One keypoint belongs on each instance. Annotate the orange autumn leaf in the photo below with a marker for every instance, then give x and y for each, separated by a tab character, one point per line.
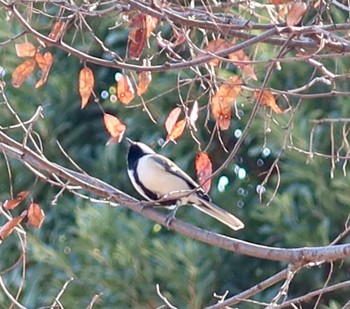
140	28
35	215
296	13
246	68
125	90
9	226
25	49
268	99
137	43
11	204
57	30
223	99
145	78
204	170
282	13
86	85
22	72
172	119
278	2
144	22
214	47
114	127
176	132
150	24
317	4
44	62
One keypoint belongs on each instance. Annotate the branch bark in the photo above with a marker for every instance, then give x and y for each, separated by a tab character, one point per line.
301	256
336	44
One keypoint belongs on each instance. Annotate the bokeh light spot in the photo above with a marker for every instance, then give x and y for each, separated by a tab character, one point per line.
223	182
238	133
260	189
242	173
266	152
113	98
118	76
104	94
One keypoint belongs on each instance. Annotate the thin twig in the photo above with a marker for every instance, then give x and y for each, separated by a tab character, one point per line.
57	298
9	295
94	300
308	296
100	188
163	298
261	286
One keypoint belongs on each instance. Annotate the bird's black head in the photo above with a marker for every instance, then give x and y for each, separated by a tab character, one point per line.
136	151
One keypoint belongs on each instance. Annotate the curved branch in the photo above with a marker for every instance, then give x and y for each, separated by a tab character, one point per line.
263	285
122	65
229	29
295	255
309	296
250	40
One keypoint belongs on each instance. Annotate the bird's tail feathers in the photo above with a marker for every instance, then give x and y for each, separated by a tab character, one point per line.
219	214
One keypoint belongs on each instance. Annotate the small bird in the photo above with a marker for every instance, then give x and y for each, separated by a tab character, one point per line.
159	179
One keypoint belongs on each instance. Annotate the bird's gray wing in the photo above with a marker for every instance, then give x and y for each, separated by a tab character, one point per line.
172	168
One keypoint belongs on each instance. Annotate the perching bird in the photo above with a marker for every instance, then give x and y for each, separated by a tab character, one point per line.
156	177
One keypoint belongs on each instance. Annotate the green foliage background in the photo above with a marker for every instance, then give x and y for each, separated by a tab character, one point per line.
121	254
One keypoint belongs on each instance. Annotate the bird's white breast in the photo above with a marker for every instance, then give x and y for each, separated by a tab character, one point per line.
157	179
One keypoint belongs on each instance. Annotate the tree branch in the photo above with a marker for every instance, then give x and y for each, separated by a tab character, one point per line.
95	186
250	40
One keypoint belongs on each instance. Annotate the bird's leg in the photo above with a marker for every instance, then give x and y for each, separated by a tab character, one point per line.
172	214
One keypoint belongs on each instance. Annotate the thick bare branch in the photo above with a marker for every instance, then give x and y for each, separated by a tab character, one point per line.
95	186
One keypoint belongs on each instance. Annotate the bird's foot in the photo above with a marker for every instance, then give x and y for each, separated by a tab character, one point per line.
169	219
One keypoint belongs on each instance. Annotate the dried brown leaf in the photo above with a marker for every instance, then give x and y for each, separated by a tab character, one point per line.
44	62
246	68
278	2
25	49
172	119
268	99
177	131
114	127
36	216
296	13
57	30
151	24
214	47
140	29
137	43
145	78
204	170
11	204
9	226
86	85
22	72
223	99
125	90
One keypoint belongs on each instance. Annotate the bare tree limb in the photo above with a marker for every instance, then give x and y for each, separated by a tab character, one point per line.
95	186
261	286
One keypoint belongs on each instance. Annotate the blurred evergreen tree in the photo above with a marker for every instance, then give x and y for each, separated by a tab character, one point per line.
121	254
